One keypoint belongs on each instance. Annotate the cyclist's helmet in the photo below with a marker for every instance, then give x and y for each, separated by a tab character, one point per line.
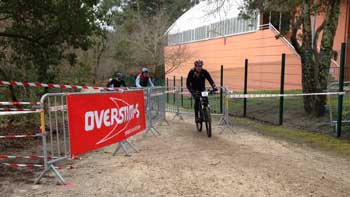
198	63
145	70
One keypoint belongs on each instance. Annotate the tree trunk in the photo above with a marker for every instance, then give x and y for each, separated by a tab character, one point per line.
307	60
325	55
308	81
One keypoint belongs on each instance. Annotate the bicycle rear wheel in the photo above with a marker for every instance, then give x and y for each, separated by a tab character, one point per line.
207	118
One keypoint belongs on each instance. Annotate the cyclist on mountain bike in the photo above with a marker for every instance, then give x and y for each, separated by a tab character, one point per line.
195	83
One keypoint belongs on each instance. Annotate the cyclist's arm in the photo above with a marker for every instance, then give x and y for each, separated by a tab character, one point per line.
138	85
188	82
208	77
150	82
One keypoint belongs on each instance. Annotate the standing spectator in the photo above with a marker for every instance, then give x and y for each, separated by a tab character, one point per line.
144	79
116	82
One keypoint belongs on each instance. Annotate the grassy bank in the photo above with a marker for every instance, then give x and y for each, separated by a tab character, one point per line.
313	139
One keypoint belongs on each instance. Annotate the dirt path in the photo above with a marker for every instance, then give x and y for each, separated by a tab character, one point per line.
183	162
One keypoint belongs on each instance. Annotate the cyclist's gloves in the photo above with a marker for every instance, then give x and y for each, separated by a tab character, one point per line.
215	88
192	92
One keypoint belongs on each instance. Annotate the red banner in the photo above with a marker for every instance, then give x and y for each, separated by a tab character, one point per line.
98	120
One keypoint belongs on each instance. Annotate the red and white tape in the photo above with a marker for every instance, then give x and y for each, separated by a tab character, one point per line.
283	95
60	86
19	103
21	165
18	109
29	165
7	113
19	136
22	157
58	108
31	157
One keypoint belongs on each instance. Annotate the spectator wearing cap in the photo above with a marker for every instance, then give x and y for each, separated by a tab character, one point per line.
144	79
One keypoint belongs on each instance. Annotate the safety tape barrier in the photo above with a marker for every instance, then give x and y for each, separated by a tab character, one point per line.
29	165
59	86
20	136
6	113
19	103
58	108
282	95
24	157
19	109
53	108
31	157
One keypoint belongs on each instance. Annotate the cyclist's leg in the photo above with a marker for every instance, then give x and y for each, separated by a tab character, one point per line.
196	108
205	100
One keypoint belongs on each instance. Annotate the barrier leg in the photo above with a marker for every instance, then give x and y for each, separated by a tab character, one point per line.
56	173
153	130
123	145
37	181
224	121
164	120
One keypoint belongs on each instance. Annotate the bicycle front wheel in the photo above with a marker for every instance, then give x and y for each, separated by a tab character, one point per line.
207	118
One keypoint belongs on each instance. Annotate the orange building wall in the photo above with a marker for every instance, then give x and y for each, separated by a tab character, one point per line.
263	52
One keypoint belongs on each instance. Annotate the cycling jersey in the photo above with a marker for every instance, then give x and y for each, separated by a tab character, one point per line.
196	81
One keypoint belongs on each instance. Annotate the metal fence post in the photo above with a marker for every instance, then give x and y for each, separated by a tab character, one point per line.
341	89
283	65
245	87
167	89
182	96
221	87
174	87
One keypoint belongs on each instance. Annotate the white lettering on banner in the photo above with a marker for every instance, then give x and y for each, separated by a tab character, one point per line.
98	119
89	121
132	130
106	118
110	117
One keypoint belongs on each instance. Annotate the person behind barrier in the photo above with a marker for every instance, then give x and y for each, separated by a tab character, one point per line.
117	81
144	79
195	83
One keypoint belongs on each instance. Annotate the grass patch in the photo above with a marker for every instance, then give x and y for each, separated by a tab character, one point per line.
317	140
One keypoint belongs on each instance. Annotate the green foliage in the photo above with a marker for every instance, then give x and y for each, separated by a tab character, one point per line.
140	32
36	34
311	139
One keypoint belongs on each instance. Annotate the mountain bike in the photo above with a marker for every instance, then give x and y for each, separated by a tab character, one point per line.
204	112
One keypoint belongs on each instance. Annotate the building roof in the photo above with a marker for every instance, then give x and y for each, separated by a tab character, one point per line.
205	13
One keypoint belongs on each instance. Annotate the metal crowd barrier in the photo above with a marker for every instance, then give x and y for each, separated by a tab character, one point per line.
54	131
54	127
